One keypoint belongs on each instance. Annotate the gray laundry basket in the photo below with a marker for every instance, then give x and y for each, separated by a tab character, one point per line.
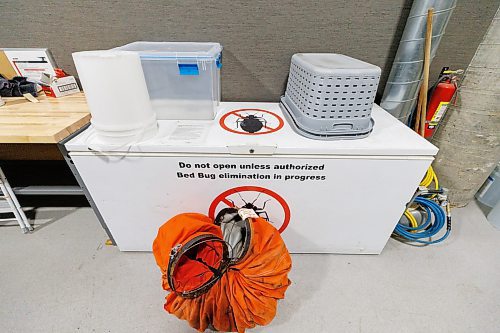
330	96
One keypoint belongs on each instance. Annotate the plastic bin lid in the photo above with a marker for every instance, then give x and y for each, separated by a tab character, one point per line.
332	63
174	49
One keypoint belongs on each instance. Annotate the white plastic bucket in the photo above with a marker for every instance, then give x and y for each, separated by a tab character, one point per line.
117	96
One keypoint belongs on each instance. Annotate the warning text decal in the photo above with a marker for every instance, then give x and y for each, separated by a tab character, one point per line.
280	172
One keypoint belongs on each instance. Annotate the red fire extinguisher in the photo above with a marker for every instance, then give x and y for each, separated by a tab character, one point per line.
440	96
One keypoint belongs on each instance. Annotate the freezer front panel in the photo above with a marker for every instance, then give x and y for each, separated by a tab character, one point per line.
321	204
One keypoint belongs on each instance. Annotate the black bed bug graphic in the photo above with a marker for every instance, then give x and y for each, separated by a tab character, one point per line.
266	203
251	205
251	123
222	214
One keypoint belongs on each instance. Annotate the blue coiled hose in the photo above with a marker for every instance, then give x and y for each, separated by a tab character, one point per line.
430	227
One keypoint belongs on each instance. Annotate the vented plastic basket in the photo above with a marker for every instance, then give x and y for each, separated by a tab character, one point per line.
330	96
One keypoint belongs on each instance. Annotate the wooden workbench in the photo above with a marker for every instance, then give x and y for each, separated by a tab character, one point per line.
49	121
30	132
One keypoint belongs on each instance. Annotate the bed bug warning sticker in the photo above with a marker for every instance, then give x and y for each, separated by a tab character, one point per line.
265	203
251	122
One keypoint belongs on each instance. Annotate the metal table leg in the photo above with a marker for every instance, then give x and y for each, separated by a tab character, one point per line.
80	181
8	194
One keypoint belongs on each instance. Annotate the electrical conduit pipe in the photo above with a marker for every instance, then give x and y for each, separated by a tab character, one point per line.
401	90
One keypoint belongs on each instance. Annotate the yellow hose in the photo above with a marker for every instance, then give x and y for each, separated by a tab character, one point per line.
411	219
430	176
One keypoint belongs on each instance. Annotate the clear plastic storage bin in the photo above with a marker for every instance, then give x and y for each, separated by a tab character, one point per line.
183	78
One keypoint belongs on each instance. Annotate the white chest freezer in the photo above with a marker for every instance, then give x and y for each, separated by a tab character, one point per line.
324	196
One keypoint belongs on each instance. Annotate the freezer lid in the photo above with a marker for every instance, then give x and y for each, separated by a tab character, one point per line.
261	129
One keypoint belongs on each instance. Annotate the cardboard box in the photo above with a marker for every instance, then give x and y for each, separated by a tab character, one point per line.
6	68
30	62
60	87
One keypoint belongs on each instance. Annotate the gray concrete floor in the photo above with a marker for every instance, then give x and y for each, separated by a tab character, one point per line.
62	278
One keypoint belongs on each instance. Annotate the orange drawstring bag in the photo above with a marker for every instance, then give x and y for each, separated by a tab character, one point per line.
225	275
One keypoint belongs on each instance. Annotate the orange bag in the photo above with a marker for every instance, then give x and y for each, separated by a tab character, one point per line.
227	275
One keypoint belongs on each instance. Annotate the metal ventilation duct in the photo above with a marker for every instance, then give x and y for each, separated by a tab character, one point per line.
401	89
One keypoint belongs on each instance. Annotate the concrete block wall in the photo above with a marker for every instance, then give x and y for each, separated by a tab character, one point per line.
469	137
259	36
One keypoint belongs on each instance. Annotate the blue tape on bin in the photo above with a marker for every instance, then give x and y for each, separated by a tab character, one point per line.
218	62
188	69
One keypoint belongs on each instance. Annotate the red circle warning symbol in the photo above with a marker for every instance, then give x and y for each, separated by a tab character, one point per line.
251	122
266	203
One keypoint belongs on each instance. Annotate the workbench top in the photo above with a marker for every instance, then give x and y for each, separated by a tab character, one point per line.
49	121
